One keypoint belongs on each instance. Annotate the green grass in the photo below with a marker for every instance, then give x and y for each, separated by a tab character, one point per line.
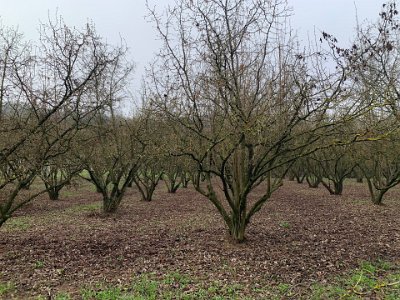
39	264
171	286
86	207
62	296
6	288
284	224
379	280
18	224
371	280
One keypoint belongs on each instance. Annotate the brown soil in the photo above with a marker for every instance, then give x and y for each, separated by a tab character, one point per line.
301	236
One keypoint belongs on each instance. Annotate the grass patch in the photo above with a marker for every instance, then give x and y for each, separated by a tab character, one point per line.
380	280
284	224
6	288
170	286
62	296
92	207
108	293
17	224
39	264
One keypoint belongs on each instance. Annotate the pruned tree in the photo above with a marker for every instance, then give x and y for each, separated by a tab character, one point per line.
111	148
154	134
336	165
58	173
242	100
44	101
314	174
172	174
147	178
111	156
380	165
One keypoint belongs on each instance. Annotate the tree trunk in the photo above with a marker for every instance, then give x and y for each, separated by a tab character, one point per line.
147	193
377	199
184	180
338	187
376	195
300	178
237	227
54	193
3	220
313	181
172	183
110	204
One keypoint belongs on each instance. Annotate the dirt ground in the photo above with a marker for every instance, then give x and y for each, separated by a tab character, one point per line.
301	236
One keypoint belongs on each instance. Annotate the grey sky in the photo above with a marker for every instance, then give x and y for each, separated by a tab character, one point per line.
126	19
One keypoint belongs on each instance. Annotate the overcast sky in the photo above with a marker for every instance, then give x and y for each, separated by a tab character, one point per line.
126	18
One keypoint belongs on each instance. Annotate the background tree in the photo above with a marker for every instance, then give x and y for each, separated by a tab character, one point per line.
298	171
313	171
110	152
59	172
151	165
379	161
173	173
44	101
336	165
147	178
372	64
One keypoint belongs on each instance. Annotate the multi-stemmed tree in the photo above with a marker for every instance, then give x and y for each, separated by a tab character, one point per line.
57	173
110	148
44	101
380	164
241	98
336	164
110	152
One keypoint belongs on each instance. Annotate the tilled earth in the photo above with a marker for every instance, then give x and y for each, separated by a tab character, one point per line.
301	236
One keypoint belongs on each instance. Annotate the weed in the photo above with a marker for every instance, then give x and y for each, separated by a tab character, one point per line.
284	224
284	288
109	293
39	264
176	278
6	288
62	296
370	280
145	287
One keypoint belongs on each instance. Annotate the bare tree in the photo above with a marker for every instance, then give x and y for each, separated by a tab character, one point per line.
241	98
336	164
110	152
150	170
372	64
380	164
44	101
147	178
58	173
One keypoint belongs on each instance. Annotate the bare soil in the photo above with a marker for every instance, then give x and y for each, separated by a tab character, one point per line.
300	237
